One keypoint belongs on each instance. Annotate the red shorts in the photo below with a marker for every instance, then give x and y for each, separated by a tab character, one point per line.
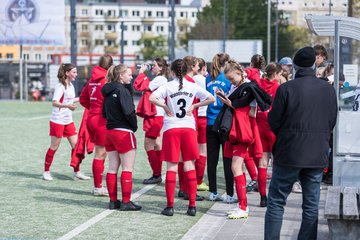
120	141
153	126
178	141
239	149
268	138
60	130
201	130
96	125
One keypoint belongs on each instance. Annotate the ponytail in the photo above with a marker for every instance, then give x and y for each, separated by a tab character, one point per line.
63	69
177	67
219	61
113	73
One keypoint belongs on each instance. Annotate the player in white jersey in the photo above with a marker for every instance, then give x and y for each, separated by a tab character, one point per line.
61	122
179	136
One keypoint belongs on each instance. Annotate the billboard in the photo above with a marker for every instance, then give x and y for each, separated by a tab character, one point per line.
32	22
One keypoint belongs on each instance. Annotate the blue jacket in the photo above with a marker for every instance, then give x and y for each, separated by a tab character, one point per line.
221	82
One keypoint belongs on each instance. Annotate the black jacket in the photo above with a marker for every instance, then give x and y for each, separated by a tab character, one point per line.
118	107
302	117
241	97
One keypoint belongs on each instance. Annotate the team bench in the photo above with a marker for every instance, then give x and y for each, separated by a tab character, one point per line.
342	213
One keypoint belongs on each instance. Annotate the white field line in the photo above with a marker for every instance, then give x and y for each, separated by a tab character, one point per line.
48	116
101	215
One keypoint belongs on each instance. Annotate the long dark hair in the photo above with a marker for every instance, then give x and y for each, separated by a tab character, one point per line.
271	69
64	67
106	61
177	67
161	62
258	61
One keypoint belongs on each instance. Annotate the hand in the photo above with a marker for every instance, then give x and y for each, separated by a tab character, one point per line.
189	112
72	107
168	111
143	68
223	100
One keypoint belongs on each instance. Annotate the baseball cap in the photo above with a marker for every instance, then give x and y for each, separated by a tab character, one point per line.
285	61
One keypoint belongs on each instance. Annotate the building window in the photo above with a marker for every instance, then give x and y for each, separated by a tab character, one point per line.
193	14
84	27
160	14
183	14
148	28
148	14
111	28
84	12
124	13
0	55
110	43
9	56
125	42
98	27
84	42
181	29
136	28
160	29
37	57
98	12
26	56
135	43
136	13
99	42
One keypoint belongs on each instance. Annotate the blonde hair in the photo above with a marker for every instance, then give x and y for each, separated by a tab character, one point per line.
219	61
113	74
63	69
232	66
320	72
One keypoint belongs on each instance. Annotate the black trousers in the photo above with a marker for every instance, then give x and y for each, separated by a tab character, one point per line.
213	144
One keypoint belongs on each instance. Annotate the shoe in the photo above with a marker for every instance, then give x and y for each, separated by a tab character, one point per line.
198	198
114	204
130	206
251	186
168	211
297	187
263	201
230	199
191	211
80	176
215	197
202	187
153	180
239	213
181	194
100	191
47	176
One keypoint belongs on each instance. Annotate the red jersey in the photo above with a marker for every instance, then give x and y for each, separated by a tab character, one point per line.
270	87
91	97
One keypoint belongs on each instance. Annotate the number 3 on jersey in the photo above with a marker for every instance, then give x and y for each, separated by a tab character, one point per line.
182	103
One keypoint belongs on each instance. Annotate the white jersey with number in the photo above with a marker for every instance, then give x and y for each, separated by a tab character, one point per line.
201	81
179	102
157	82
65	96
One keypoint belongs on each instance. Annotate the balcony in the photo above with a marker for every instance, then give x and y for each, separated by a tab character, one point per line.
111	18
85	34
183	22
111	35
148	35
112	49
148	20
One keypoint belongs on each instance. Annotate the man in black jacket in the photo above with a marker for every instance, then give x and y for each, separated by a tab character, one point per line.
303	115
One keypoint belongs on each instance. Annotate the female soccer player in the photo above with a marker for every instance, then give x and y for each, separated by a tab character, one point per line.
61	122
179	138
92	99
120	141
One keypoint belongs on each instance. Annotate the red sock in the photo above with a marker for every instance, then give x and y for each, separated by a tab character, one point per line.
262	181
111	183
159	163
240	185
153	159
200	165
98	170
181	176
170	184
48	159
126	186
251	168
191	186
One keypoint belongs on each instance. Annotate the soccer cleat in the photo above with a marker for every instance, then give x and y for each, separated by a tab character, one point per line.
129	206
47	176
198	198
251	186
80	176
191	211
100	191
297	187
203	187
153	180
239	213
181	194
263	201
168	211
230	199
114	205
214	197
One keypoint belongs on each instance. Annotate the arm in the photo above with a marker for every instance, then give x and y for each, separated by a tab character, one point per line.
84	98
58	95
141	82
156	101
58	104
